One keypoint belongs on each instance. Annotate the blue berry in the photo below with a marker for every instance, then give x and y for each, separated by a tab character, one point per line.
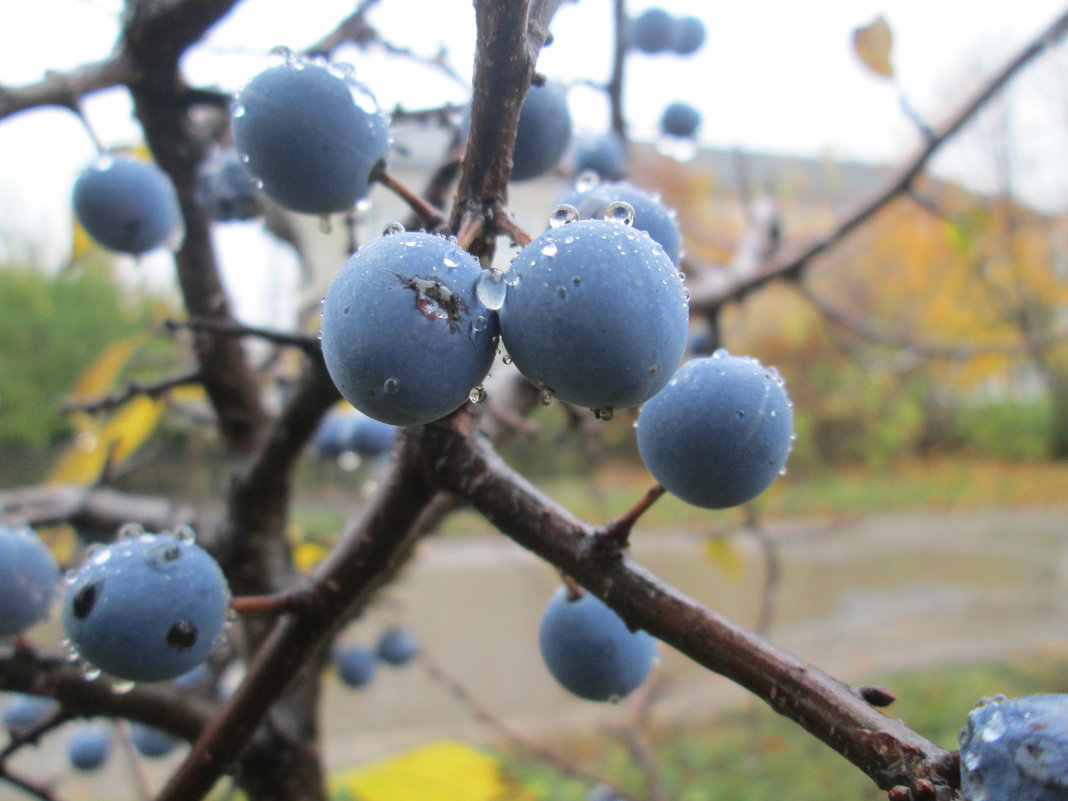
151	742
311	134
404	335
543	132
590	651
225	188
88	747
719	433
603	155
23	711
126	205
397	647
652	31
1016	749
147	607
356	665
688	35
334	433
650	215
681	120
29	578
598	315
371	438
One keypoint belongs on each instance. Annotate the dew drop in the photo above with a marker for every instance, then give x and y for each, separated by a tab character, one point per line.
122	686
720	353
562	215
587	180
478	324
90	673
450	262
391	385
237	111
477	394
185	534
620	211
324	223
545	395
550	250
491	288
511	278
129	531
393	228
348	461
506	359
561	292
280	55
605	413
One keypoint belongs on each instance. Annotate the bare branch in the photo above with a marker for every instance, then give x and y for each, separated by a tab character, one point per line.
133	389
231	328
715	292
94	507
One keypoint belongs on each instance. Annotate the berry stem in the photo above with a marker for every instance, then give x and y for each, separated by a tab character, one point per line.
618	531
434	218
295	600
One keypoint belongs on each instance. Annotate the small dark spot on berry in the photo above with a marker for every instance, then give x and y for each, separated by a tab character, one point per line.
85	599
182	635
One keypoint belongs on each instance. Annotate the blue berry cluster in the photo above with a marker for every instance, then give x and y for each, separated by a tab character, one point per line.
356	665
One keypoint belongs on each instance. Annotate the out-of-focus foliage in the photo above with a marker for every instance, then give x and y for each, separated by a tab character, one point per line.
52	327
873	44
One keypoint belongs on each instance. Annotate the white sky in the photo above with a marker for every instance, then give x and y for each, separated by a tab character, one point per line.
774	75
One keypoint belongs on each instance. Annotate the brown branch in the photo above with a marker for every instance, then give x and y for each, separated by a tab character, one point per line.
617	532
619	65
885	749
65	88
133	389
369	550
433	218
716	290
231	328
94	507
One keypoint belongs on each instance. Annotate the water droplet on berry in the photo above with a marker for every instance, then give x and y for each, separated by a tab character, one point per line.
491	289
720	353
511	278
477	394
506	359
237	111
391	385
545	395
605	413
450	262
562	215
393	228
620	211
550	250
280	55
478	324
122	686
90	673
185	534
587	180
129	531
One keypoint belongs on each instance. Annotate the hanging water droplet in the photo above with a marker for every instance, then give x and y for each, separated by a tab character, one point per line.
491	289
720	353
324	223
391	385
279	55
122	686
605	413
393	228
506	359
237	111
562	215
511	278
90	673
545	395
550	250
477	394
620	211
587	180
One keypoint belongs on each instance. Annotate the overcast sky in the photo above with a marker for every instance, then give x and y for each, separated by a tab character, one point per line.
778	76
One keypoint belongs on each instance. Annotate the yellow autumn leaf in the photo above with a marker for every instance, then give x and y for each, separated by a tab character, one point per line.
100	377
110	442
445	770
724	554
307	555
873	44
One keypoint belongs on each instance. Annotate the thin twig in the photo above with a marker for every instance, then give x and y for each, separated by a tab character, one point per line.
434	218
305	342
133	389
